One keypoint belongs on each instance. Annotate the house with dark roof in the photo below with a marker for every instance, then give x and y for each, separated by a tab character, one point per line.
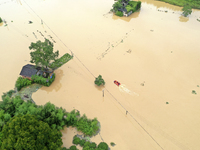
29	70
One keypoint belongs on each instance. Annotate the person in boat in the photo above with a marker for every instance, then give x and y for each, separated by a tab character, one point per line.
117	83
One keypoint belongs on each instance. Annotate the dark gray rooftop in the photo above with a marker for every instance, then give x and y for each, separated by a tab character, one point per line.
29	70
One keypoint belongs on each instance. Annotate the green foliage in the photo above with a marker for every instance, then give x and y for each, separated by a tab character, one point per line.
193	3
72	118
1	20
43	81
187	10
9	105
76	140
112	144
87	126
43	54
119	13
55	117
133	6
82	142
99	81
62	60
26	132
194	92
93	145
73	148
22	82
103	146
9	94
117	5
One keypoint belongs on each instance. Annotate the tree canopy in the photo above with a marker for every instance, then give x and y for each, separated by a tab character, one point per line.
187	10
25	132
43	54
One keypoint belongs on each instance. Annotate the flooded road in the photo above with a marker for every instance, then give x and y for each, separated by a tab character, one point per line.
154	52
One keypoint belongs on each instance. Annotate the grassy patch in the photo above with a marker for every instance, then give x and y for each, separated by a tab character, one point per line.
61	61
26	92
194	3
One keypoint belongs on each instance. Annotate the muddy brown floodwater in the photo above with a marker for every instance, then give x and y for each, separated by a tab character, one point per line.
154	52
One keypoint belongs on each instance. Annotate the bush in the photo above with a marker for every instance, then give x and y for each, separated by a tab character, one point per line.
42	80
187	10
72	118
73	148
88	127
99	81
1	20
119	13
82	142
22	82
112	144
76	140
93	145
9	94
103	146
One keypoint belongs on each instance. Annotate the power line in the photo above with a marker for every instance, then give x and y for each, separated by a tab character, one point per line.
94	77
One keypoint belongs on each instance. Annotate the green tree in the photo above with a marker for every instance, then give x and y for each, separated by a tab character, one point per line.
43	54
25	132
117	5
187	10
76	140
1	20
103	146
99	81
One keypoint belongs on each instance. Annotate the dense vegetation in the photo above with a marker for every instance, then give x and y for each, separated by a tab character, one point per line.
119	8
23	82
26	132
89	145
50	115
191	3
187	10
1	20
99	81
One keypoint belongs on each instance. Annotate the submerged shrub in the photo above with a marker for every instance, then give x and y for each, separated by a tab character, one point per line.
82	142
99	81
187	10
103	146
76	140
119	13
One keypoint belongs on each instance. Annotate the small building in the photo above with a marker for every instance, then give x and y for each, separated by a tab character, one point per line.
29	70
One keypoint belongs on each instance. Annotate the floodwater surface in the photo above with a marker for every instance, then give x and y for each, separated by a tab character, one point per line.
155	53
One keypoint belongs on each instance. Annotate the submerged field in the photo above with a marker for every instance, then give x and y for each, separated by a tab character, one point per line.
154	53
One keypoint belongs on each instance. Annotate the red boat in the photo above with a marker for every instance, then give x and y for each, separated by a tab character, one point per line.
117	83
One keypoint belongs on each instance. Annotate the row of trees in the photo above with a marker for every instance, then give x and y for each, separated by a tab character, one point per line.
50	116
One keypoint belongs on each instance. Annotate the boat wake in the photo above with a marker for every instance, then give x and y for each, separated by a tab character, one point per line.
123	88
